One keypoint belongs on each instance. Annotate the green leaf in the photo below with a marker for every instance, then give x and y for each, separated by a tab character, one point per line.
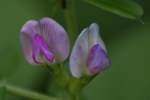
124	8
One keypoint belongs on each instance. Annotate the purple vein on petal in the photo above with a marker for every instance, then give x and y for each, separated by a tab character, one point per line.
39	46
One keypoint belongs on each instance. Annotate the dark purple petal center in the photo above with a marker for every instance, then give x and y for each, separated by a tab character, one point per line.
92	53
97	59
39	47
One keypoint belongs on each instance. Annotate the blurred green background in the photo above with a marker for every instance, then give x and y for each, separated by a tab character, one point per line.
128	44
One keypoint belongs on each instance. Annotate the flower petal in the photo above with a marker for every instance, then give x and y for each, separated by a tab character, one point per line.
56	37
94	36
27	32
79	55
97	60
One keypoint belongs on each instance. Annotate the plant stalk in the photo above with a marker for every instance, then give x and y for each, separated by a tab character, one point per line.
27	93
70	18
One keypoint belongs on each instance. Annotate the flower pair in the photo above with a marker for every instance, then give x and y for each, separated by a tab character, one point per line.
46	41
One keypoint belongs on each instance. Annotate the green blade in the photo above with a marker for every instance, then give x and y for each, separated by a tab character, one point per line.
125	8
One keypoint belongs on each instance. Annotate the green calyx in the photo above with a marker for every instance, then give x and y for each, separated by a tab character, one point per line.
71	85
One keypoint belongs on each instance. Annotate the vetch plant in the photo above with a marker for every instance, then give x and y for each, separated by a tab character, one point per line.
47	44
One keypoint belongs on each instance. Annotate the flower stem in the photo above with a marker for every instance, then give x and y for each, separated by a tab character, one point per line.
26	93
71	88
55	7
70	18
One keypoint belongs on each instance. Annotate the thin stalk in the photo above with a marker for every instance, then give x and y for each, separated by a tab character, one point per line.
70	18
27	93
55	7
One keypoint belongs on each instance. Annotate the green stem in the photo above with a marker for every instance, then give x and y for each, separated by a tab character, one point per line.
70	18
76	97
27	93
55	7
69	96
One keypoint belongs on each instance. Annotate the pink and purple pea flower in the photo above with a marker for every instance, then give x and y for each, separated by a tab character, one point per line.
46	41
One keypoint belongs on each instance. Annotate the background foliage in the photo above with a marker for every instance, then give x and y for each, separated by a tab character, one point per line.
127	42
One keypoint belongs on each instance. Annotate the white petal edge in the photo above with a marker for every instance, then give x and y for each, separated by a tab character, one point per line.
78	55
94	36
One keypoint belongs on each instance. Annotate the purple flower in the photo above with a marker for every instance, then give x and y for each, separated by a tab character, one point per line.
44	41
89	55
